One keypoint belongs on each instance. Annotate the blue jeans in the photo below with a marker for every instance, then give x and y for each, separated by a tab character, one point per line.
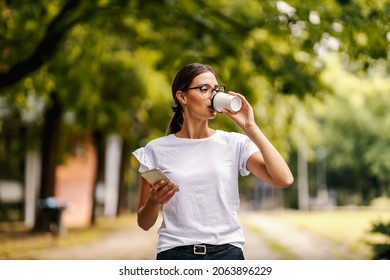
231	253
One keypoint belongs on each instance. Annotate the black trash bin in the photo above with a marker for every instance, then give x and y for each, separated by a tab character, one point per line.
52	211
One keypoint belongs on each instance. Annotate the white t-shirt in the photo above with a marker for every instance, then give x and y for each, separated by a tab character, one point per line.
206	207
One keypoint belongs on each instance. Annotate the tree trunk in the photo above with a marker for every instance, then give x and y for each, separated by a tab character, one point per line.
123	190
114	147
99	143
303	178
50	151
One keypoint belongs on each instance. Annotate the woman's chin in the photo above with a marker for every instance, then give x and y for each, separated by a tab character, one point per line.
213	114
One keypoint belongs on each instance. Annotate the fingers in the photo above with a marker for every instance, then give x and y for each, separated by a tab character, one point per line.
163	191
159	185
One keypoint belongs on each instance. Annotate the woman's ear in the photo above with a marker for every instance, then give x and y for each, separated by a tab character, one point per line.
181	97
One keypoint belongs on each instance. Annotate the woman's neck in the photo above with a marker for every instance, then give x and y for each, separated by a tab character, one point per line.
195	131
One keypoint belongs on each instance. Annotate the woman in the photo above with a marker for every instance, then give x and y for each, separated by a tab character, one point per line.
200	220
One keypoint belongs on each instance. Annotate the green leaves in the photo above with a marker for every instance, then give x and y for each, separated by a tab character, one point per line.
111	63
381	250
354	122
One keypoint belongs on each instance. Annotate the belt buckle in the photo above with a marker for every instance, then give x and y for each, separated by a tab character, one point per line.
202	249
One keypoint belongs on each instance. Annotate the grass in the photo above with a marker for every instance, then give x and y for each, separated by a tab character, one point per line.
350	227
18	243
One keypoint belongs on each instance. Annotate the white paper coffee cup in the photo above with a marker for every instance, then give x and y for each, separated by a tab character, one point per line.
222	101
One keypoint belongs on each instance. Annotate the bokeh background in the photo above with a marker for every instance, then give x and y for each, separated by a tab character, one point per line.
85	83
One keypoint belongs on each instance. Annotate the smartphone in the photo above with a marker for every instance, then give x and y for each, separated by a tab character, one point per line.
154	176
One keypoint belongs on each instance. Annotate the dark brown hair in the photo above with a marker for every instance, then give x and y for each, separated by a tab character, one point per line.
182	81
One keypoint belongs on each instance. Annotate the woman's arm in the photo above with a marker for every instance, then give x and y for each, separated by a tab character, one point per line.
267	165
150	201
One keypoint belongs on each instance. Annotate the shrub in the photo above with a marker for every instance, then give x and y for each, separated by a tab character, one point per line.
381	250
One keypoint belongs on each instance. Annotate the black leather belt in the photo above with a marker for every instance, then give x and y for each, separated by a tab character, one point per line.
203	249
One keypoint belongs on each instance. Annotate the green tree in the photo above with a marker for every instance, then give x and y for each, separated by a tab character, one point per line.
354	122
109	63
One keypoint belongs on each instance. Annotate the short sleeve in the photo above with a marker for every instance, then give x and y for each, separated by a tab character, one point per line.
144	160
248	148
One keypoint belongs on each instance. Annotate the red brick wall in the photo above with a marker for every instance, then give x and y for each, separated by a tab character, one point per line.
74	184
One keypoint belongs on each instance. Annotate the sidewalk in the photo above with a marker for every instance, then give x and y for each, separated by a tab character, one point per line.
132	243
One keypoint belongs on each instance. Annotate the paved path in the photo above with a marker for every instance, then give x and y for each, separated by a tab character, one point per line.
266	238
296	243
132	243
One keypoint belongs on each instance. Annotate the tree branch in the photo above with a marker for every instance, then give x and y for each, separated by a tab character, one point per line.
45	50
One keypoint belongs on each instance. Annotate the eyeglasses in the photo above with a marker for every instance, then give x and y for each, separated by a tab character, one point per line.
207	90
